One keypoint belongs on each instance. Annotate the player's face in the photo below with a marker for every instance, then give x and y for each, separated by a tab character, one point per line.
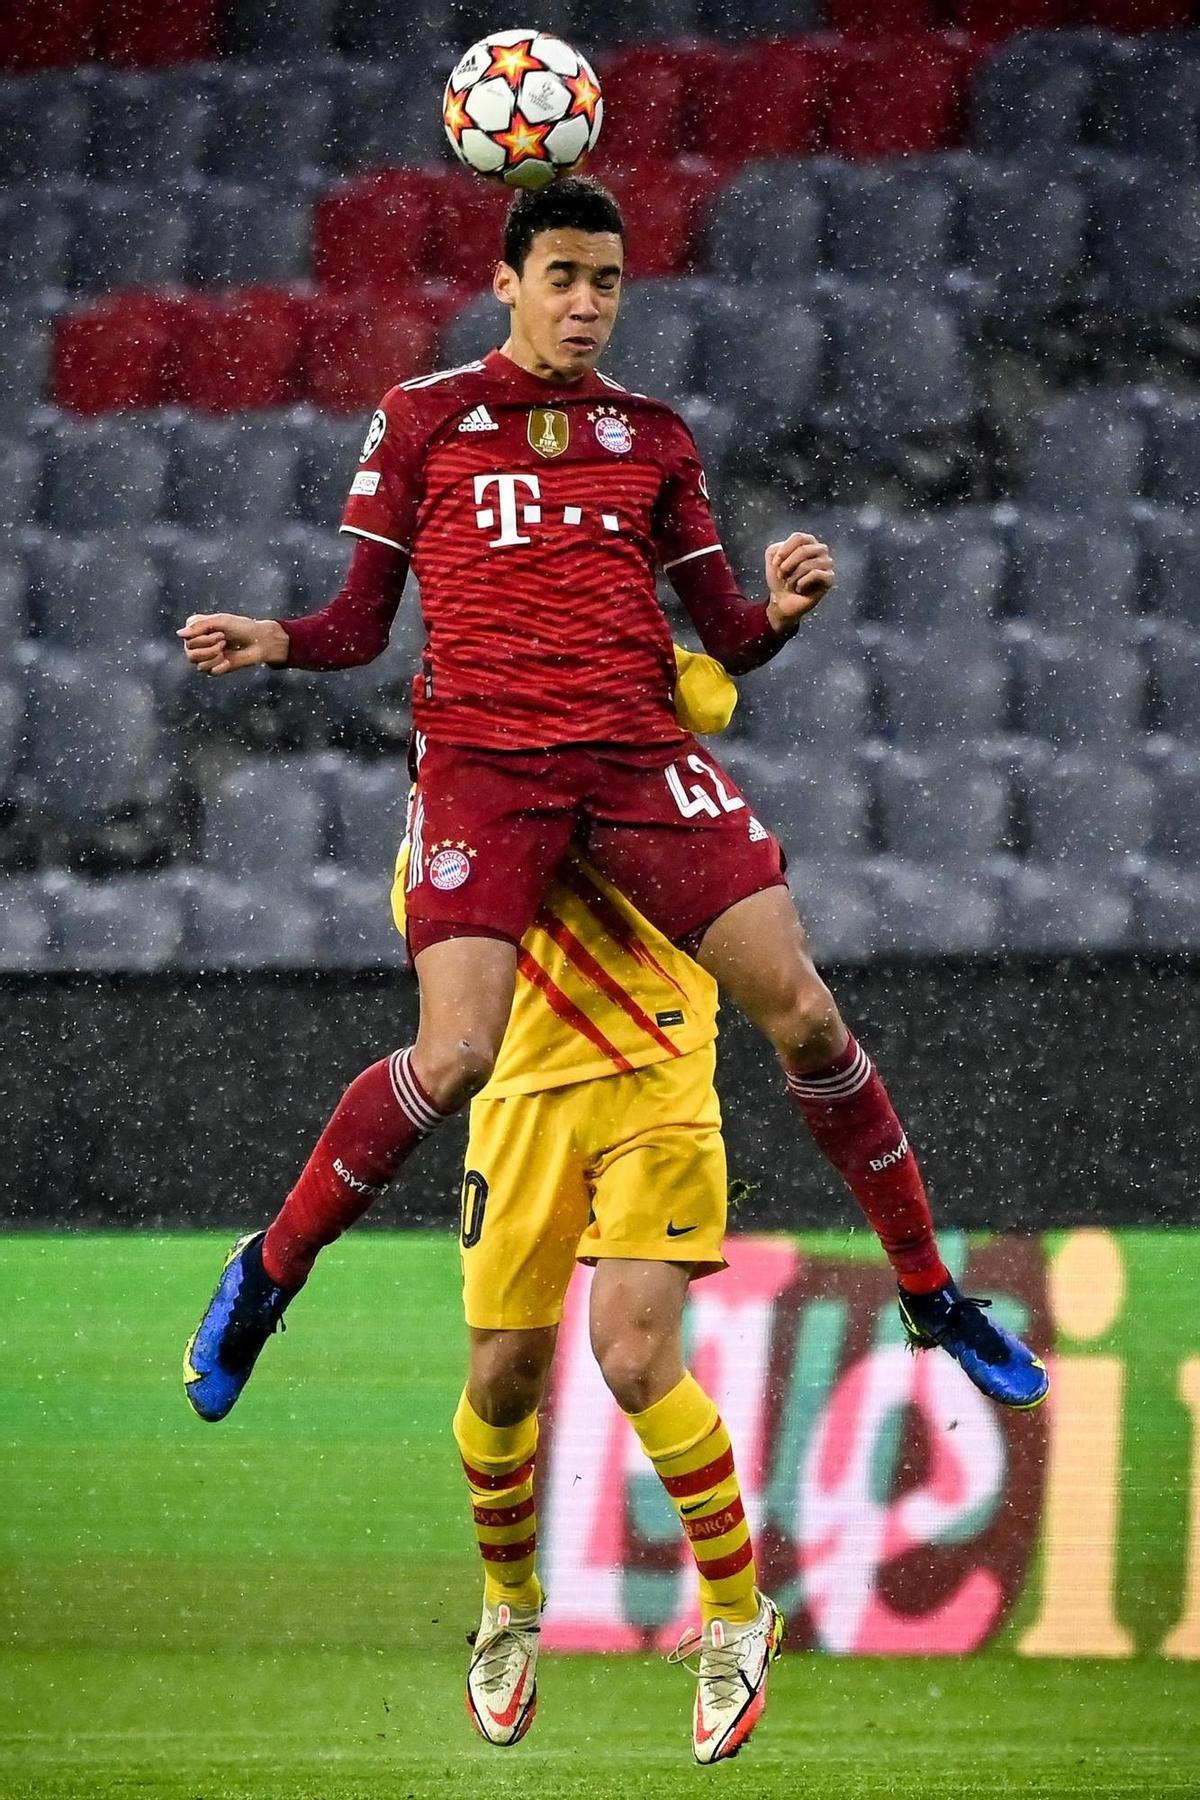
564	302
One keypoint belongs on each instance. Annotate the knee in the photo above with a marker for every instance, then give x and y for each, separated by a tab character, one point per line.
807	1022
453	1073
629	1364
508	1376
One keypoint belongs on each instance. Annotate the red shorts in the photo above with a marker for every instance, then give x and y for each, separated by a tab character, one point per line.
489	828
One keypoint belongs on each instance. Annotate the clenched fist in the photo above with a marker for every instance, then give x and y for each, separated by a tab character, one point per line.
219	643
799	575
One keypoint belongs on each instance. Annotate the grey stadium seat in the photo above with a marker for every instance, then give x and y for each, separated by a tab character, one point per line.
927	911
900	367
1060	912
149	127
24	930
20	482
14	606
266	821
24	356
1085	450
1175	661
131	923
268	121
35	242
714	426
1147	243
1175	449
1034	91
355	928
377	28
244	924
1151	100
1166	903
317	560
368	804
944	808
241	471
280	30
836	900
939	572
747	216
210	574
102	474
1077	574
12	734
1171	548
935	697
102	593
328	460
128	238
43	128
1079	692
767	360
890	223
656	350
815	805
243	234
475	329
1024	238
94	741
1089	812
383	117
780	710
1176	835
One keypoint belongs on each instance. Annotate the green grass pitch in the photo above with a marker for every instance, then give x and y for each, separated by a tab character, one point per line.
275	1608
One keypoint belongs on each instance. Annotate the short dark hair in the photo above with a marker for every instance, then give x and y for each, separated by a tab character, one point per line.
573	202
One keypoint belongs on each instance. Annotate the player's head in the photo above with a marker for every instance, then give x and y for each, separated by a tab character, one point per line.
561	275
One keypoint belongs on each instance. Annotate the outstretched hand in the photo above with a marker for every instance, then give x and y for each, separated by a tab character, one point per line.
799	575
219	643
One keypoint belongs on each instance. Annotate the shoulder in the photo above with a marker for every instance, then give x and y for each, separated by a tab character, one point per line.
670	430
426	399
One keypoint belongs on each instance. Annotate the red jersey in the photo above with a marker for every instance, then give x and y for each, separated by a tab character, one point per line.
537	518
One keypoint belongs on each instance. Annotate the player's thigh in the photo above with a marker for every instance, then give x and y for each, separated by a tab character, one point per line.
659	1177
524	1205
487	829
758	954
681	842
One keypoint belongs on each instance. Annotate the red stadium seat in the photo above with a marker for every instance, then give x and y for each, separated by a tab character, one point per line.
145	34
644	98
468	229
662	210
354	352
896	96
115	354
50	35
239	352
1001	18
377	231
1140	15
769	102
879	18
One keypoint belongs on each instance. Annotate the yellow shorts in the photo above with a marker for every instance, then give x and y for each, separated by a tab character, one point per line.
628	1166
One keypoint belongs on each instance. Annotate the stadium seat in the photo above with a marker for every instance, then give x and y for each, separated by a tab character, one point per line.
1085	450
144	34
935	697
779	713
1147	240
116	355
714	426
663	208
102	474
243	924
900	368
836	901
467	227
316	560
128	239
279	31
1176	835
1151	102
924	910
368	802
475	328
149	130
1175	450
879	18
768	361
757	19
43	129
1171	548
377	28
265	122
831	635
355	928
12	740
655	349
50	37
941	572
128	923
1060	912
14	604
265	822
243	235
638	134
942	807
20	482
96	594
329	458
1003	18
240	471
1166	906
1141	15
24	932
376	232
369	707
768	102
24	356
35	242
894	96
354	353
94	743
1077	692
1024	238
239	352
1076	574
214	574
1089	812
890	224
384	118
1175	663
816	805
764	223
1032	92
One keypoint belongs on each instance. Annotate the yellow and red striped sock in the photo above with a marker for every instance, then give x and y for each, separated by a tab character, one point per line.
498	1463
685	1439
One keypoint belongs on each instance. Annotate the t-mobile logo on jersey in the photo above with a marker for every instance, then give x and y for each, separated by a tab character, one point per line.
528	512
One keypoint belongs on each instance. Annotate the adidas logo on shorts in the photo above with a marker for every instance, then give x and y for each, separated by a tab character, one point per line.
479	419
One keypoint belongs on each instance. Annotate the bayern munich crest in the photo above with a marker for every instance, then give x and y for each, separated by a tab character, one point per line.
449	866
612	430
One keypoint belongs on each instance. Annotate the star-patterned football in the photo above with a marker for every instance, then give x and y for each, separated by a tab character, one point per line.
522	107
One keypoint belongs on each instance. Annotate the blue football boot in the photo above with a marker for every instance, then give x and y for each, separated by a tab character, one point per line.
999	1364
246	1308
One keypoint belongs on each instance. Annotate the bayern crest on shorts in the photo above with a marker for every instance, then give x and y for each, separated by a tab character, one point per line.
449	866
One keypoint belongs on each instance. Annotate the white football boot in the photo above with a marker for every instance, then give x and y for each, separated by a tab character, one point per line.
502	1678
731	1679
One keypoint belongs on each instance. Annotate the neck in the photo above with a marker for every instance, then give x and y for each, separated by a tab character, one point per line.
525	357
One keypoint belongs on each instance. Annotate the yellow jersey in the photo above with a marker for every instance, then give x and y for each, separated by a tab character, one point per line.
599	990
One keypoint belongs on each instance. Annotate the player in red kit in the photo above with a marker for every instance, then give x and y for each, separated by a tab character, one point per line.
536	502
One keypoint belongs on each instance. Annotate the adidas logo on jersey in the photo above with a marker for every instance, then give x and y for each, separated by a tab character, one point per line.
479	419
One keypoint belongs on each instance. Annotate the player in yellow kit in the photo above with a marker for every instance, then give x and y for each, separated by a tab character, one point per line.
598	1139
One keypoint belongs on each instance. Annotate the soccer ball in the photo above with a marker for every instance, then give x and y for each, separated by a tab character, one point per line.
522	106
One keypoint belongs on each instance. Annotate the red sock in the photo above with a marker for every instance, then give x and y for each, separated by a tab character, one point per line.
381	1117
846	1107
